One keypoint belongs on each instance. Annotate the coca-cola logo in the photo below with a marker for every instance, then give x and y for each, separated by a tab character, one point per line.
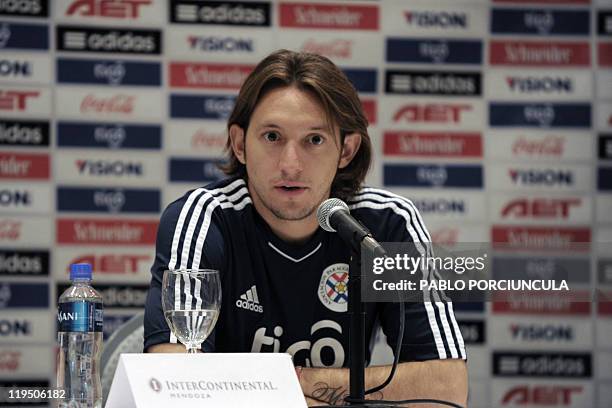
445	236
10	230
332	49
203	139
113	263
10	360
123	104
549	146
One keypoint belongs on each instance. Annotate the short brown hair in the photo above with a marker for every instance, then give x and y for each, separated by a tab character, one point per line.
338	97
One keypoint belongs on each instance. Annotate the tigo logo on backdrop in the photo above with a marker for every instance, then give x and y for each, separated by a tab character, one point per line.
105	232
109	168
212	76
563	365
24	295
123	9
195	170
330	16
108	72
127	264
539	238
24	166
234	13
540	208
16	100
24	262
108	136
201	106
442	19
460	176
431	144
24	133
25	8
539	53
117	200
431	113
604	22
24	36
542	395
108	40
432	82
221	44
540	21
540	115
434	51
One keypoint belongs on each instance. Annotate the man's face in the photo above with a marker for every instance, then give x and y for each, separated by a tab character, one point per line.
290	153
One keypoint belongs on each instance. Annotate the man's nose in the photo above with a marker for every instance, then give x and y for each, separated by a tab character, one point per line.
290	162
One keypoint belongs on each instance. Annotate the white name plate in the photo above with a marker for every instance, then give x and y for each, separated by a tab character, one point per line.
205	380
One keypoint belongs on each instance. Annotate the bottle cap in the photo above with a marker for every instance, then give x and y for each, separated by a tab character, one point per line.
80	271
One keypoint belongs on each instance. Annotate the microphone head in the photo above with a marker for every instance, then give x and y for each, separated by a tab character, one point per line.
326	209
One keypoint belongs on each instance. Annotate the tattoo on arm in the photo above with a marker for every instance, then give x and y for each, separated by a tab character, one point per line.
335	395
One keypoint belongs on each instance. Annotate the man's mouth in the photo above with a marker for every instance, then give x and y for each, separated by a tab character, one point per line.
290	188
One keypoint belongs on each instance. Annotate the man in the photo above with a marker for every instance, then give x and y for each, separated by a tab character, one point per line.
298	135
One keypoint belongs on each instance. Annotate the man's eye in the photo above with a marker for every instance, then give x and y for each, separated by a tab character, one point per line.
316	139
271	136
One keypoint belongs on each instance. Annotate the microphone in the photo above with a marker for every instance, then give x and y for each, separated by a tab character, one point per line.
334	216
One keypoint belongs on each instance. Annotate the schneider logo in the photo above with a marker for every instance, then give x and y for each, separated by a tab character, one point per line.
95	39
250	301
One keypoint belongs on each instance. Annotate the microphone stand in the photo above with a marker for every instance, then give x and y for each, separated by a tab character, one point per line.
356	329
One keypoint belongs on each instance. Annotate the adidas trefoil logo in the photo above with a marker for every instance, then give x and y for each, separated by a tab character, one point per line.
250	301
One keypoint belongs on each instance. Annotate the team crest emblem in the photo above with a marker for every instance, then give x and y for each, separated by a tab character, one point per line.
333	287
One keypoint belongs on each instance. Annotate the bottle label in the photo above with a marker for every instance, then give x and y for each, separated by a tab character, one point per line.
80	317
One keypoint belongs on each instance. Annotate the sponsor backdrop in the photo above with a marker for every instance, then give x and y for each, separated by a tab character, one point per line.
494	117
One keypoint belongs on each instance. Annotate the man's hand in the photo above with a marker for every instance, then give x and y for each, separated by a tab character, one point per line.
436	379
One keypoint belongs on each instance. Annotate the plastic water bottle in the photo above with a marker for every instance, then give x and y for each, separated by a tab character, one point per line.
80	318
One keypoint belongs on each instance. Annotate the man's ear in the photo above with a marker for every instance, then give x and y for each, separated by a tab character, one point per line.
352	141
236	134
